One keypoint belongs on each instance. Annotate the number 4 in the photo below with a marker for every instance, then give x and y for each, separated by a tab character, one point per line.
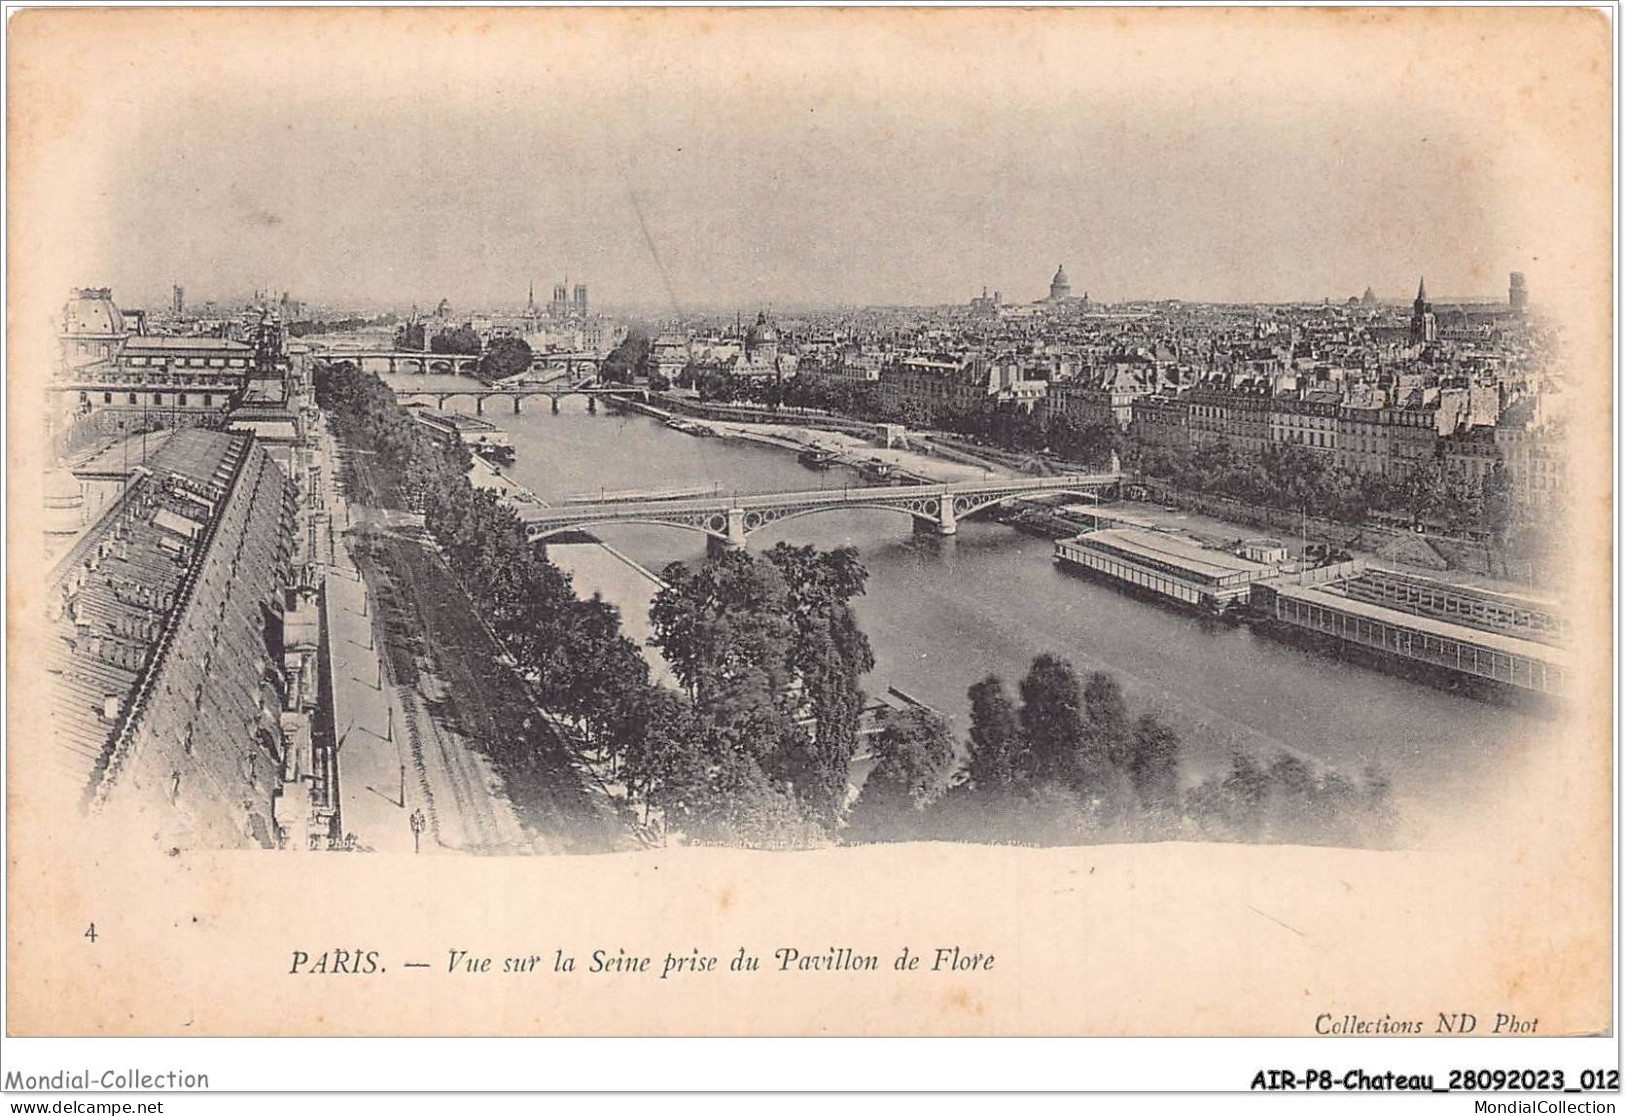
91	933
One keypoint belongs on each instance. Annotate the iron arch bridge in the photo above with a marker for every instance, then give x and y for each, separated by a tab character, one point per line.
730	519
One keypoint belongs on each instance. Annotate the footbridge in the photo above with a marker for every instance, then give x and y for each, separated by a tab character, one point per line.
731	518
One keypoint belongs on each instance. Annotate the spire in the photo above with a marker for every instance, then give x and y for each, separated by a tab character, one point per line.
1422	290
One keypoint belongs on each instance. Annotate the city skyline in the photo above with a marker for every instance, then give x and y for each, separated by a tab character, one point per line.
709	183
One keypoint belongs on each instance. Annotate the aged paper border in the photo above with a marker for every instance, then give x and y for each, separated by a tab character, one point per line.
1511	910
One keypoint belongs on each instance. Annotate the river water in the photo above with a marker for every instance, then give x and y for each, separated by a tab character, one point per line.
942	613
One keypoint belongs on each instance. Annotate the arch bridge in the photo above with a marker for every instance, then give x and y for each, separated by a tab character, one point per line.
730	519
554	391
391	361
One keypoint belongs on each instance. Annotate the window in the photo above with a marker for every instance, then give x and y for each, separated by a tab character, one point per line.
107	397
183	400
237	362
208	401
133	399
158	398
217	362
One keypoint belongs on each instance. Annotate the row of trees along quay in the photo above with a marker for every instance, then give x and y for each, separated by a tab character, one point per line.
756	745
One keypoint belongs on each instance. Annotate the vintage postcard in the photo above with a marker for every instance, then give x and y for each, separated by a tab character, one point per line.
789	522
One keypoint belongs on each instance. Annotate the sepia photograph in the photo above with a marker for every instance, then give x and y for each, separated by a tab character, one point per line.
811	522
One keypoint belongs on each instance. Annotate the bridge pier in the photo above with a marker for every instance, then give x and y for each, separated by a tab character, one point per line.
946	523
592	404
516	401
479	404
440	402
736	535
555	404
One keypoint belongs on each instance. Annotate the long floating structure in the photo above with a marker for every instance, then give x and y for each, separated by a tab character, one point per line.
1168	565
1467	631
1524	664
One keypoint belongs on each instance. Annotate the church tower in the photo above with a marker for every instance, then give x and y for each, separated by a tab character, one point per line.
1424	329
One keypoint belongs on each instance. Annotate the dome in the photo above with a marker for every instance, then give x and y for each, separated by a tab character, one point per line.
1060	287
762	333
91	311
1060	279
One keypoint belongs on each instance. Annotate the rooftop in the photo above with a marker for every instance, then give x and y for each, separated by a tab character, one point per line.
154	342
1187	554
1494	641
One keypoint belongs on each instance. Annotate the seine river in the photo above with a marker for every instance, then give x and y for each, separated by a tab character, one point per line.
943	613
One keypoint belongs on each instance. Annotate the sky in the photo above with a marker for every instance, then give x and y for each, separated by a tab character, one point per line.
710	160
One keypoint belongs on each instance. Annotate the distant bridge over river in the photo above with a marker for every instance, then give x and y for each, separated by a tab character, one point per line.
518	393
731	518
392	361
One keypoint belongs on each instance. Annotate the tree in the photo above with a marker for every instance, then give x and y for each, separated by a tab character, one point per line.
1052	718
830	655
913	756
462	340
629	359
504	357
1497	502
409	337
664	760
1153	764
1420	490
996	747
1107	736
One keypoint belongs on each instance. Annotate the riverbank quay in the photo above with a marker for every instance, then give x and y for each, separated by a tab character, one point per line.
490	773
595	569
854	444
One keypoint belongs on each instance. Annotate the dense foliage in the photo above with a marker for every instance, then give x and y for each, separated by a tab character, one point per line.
1069	764
630	359
504	357
1293	478
318	327
462	340
409	337
771	656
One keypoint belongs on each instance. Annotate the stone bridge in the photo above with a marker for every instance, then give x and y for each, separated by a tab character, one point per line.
390	361
729	518
479	394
